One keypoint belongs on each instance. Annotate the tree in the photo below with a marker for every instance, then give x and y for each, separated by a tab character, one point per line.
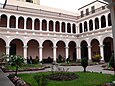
17	61
112	63
84	63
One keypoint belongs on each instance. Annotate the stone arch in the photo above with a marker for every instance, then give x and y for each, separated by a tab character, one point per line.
74	28
63	26
84	49
29	23
96	23
21	22
47	51
95	49
85	26
37	24
12	21
44	25
16	47
61	49
51	24
3	20
90	24
68	27
103	21
72	51
108	48
33	48
80	28
2	46
109	19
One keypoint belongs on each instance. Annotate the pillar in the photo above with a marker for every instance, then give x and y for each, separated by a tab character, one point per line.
54	53
101	51
78	52
7	50
32	24
40	25
8	19
66	52
54	27
89	52
25	24
40	53
47	25
16	22
25	51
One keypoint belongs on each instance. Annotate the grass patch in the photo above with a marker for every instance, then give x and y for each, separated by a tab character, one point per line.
24	67
85	79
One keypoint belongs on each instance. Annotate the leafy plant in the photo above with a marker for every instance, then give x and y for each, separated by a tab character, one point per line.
84	63
97	58
59	59
17	61
112	63
41	80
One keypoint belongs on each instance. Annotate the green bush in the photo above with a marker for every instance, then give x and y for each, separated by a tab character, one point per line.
96	58
84	63
59	59
41	80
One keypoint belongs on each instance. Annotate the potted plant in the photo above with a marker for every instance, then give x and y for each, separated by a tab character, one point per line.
96	58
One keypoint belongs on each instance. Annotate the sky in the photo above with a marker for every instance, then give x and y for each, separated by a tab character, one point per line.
69	5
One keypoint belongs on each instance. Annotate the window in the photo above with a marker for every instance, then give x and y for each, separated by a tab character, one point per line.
81	13
93	9
29	1
87	11
103	7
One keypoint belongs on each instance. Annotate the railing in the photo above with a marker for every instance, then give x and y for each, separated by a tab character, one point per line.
94	11
38	11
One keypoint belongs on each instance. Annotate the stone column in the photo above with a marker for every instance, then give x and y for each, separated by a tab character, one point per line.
8	20
89	52
32	24
40	53
54	53
65	27
66	51
25	24
54	27
99	22
78	52
40	25
25	51
48	26
7	50
101	51
16	22
60	27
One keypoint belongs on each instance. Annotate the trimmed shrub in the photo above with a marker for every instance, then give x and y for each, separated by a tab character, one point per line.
84	63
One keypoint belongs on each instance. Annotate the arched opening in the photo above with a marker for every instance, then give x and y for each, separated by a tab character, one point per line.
90	25
108	48
50	25
44	25
16	47
29	23
80	28
57	26
61	50
74	28
47	51
68	28
109	20
96	23
37	24
103	22
2	46
21	22
85	26
63	26
33	49
95	49
3	21
72	51
84	49
12	22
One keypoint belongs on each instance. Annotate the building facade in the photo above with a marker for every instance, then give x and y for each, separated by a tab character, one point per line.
29	29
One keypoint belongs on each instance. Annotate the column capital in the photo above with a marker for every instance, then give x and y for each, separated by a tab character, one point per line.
7	46
54	47
40	47
101	45
25	46
89	46
66	47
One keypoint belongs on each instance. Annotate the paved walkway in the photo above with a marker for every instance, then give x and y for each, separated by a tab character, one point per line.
94	68
4	81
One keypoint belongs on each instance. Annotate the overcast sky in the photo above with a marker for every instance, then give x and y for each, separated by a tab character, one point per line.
69	5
